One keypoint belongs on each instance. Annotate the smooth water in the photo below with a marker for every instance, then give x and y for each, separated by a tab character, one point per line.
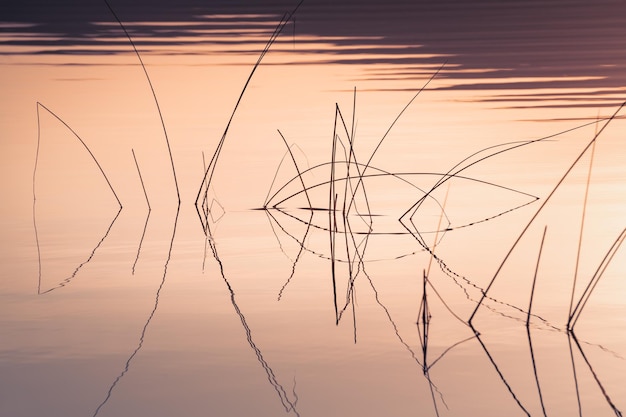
406	208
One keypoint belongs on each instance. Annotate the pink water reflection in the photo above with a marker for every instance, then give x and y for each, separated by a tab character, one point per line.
138	314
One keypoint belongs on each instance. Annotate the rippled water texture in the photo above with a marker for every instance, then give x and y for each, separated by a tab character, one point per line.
326	209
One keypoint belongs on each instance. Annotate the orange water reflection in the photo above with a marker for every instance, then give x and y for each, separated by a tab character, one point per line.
151	315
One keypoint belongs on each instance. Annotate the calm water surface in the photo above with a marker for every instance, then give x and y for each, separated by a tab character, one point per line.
399	219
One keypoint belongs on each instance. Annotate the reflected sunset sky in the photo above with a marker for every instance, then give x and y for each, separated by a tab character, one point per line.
421	87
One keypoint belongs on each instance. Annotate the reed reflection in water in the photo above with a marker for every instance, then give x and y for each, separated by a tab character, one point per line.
453	274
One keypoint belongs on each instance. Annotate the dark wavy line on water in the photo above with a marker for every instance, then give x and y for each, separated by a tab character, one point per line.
69	279
145	227
301	250
145	327
500	374
271	377
617	412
